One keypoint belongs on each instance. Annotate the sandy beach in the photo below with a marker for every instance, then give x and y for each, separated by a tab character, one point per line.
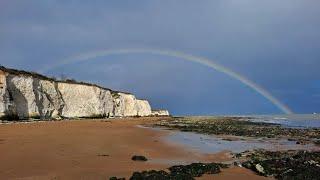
95	149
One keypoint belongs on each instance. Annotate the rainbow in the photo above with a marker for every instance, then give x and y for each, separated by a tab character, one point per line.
180	55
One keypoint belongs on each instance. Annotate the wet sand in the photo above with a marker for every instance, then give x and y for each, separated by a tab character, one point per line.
94	149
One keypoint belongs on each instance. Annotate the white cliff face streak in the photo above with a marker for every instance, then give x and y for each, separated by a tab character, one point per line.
26	95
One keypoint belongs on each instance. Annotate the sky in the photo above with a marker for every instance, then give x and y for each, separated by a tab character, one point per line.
275	44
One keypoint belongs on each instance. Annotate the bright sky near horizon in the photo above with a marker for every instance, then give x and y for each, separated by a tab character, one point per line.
273	43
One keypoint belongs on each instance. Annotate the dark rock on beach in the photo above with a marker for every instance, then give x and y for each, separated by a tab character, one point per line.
139	158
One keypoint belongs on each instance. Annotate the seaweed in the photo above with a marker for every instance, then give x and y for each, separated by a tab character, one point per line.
237	126
285	165
187	172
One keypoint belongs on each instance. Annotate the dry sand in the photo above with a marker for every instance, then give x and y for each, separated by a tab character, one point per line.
94	149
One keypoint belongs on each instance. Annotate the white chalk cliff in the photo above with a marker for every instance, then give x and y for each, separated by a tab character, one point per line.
26	95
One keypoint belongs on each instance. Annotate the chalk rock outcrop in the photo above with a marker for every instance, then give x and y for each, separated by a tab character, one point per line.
26	95
160	113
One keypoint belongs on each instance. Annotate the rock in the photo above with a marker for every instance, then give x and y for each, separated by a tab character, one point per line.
237	164
160	113
312	162
139	158
260	169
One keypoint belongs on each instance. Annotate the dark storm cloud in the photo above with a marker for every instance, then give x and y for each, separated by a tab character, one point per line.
274	43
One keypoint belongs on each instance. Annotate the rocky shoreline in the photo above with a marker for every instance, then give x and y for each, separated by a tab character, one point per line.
239	126
284	164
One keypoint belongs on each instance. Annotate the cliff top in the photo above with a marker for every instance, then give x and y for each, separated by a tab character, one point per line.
43	77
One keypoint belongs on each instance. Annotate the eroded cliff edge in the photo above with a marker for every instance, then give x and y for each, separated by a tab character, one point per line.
25	95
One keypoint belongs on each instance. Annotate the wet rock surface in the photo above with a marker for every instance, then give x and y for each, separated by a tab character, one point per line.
180	172
285	165
239	126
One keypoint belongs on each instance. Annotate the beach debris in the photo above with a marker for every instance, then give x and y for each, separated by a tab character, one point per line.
139	158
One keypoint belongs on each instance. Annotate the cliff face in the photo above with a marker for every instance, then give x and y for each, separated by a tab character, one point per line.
25	95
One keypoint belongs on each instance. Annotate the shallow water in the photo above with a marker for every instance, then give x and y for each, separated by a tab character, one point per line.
214	144
291	121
